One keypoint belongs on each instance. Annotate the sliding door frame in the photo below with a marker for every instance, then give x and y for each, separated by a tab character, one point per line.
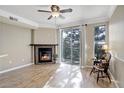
82	44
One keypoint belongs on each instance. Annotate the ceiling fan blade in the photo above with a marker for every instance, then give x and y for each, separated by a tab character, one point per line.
44	11
62	17
66	10
50	17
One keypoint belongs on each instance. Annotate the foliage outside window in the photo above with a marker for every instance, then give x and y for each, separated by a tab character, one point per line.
99	38
71	45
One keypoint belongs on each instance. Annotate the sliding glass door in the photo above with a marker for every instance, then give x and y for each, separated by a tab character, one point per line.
70	45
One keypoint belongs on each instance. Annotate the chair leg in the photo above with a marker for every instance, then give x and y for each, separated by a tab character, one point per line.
101	73
108	76
97	76
91	71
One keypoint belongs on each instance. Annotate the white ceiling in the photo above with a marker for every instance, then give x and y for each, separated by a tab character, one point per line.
80	12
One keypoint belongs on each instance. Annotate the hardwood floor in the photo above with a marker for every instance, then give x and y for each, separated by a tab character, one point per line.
34	76
71	76
52	76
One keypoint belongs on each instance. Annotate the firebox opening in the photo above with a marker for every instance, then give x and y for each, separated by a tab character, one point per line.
45	54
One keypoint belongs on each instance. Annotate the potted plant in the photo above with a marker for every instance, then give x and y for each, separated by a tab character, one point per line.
55	56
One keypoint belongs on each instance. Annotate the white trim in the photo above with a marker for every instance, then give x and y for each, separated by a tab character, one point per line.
113	79
81	30
96	20
60	44
111	11
14	68
4	15
117	58
85	21
5	55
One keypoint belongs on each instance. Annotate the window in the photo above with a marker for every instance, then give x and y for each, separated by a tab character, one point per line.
99	38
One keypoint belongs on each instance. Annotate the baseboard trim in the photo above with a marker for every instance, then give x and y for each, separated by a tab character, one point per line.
117	86
14	68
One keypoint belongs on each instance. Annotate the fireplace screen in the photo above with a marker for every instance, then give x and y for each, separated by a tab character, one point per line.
45	54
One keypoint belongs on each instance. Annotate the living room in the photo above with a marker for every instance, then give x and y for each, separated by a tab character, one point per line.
32	50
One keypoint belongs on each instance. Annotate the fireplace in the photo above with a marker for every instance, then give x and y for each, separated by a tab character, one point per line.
43	53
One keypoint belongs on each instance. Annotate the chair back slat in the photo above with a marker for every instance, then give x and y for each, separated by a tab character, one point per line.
106	64
108	57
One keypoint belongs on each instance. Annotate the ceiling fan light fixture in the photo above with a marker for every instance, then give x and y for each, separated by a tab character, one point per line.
55	14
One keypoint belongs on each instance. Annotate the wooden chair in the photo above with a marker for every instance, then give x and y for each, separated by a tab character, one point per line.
95	63
102	67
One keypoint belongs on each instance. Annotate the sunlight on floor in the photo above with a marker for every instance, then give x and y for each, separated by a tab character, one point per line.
64	77
71	76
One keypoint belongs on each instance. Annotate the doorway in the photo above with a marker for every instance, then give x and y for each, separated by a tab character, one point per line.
70	45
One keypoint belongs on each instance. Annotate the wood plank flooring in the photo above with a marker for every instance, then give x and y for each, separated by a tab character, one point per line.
52	76
34	76
71	76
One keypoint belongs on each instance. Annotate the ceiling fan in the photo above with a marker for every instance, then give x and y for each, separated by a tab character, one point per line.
56	12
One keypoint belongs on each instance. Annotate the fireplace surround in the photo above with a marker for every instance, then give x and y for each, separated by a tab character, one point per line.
44	53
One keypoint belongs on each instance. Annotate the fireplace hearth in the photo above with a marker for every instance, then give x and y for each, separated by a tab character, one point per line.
44	53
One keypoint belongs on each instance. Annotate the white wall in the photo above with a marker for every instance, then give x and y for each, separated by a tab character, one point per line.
14	46
117	32
116	37
45	36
